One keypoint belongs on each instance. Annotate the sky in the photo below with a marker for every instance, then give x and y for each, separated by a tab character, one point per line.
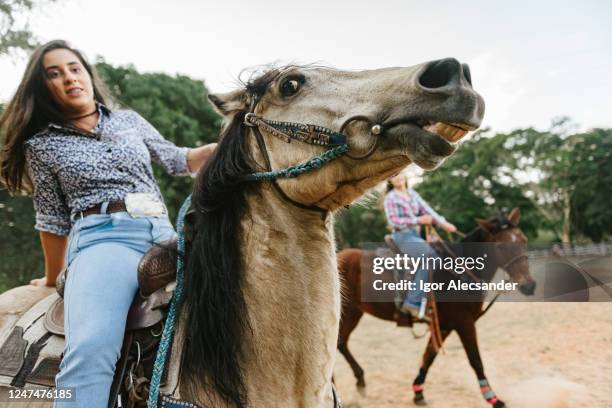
532	61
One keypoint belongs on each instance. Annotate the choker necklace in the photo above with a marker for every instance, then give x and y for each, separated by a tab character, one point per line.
84	116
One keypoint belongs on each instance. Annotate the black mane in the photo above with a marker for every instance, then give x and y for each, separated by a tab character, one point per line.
477	234
213	301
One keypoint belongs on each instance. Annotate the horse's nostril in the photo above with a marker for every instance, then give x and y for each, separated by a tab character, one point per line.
466	73
440	73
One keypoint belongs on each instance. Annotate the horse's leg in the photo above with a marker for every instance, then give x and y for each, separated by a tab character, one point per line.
428	358
467	334
347	325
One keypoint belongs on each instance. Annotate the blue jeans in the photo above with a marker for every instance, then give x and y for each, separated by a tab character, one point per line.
101	282
410	243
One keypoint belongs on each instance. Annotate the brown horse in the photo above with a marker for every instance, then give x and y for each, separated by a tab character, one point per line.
459	316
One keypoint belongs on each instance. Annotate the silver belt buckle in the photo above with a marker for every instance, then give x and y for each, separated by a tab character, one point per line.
144	205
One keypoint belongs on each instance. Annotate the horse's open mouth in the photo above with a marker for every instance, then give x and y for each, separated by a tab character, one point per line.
452	132
428	142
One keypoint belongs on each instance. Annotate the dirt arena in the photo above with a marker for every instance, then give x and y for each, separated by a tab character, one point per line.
544	355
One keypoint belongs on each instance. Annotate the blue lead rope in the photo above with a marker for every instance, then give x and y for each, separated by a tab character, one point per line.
294	171
166	339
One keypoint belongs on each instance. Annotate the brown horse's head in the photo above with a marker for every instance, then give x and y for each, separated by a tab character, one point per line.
511	251
421	112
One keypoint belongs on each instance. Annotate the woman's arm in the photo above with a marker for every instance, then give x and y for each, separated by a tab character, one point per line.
197	156
54	249
434	217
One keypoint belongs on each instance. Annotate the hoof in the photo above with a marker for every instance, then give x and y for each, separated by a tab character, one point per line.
361	389
419	400
499	404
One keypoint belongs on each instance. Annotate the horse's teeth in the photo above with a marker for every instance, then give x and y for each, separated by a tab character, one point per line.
448	132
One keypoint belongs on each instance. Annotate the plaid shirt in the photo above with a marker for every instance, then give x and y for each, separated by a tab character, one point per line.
403	209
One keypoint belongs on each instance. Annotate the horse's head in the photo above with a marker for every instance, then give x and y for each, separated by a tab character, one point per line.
391	116
511	248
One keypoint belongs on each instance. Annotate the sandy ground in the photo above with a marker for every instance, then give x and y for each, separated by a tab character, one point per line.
541	355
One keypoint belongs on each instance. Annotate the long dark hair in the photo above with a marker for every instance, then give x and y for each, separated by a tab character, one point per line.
216	322
30	110
389	185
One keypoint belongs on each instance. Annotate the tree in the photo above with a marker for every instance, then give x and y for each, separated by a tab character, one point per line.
482	179
177	107
590	175
361	223
13	35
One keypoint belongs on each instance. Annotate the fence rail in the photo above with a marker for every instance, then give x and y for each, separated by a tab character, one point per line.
571	250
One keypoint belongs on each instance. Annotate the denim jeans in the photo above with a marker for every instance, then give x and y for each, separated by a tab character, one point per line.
410	243
101	282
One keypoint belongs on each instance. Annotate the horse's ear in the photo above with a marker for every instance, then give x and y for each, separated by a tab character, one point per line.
231	102
485	225
514	216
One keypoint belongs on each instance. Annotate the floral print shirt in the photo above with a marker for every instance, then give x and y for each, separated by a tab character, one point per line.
72	171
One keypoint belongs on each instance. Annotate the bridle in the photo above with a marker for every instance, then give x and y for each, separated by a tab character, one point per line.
337	142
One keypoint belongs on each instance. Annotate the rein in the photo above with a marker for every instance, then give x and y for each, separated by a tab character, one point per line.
430	230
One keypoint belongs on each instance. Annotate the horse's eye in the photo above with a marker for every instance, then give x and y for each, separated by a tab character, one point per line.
290	87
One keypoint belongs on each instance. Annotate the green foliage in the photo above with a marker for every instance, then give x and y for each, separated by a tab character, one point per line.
480	180
12	35
590	175
361	223
21	257
175	105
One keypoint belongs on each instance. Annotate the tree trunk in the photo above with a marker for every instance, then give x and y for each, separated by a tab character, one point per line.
566	232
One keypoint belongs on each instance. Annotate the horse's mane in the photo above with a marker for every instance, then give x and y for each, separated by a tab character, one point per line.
213	301
216	315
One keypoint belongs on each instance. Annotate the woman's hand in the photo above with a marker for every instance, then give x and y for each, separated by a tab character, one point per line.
41	282
448	227
425	219
197	156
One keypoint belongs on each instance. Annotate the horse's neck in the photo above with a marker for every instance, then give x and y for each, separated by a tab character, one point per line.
293	297
475	250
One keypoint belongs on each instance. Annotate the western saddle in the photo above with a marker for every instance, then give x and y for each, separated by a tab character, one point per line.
145	321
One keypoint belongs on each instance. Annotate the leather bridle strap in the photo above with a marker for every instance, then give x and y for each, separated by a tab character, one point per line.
264	151
515	259
306	133
288	131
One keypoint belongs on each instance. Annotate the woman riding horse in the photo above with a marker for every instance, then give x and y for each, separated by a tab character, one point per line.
89	171
406	211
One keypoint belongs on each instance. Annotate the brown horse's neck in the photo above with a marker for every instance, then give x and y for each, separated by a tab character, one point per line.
475	237
293	297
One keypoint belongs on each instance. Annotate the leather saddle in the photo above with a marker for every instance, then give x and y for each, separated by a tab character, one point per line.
156	276
391	244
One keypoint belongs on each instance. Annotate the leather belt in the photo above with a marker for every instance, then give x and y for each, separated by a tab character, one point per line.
113	207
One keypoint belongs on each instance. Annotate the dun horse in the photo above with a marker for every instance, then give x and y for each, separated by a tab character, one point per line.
261	307
458	316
